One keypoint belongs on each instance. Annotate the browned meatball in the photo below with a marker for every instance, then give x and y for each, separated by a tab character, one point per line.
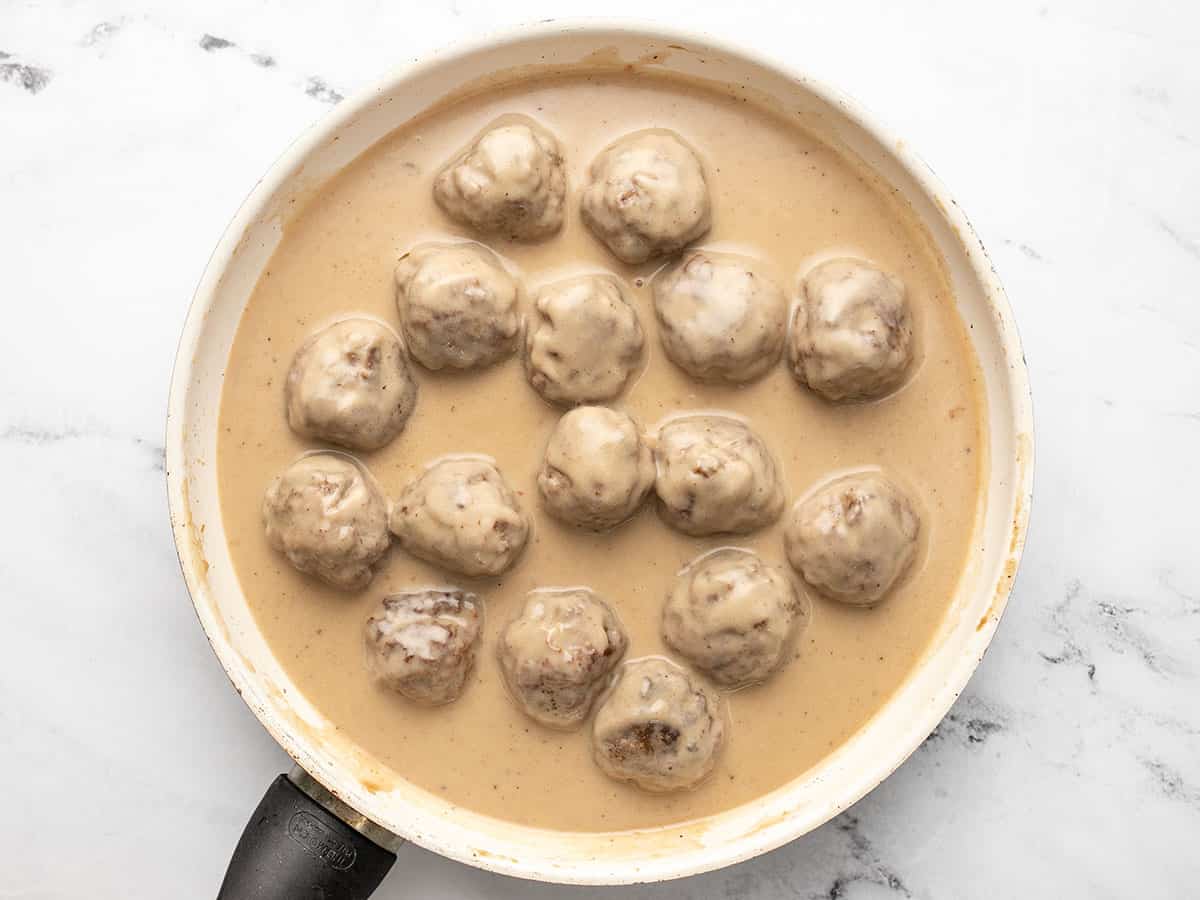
459	305
511	182
350	384
557	654
325	514
853	538
720	318
734	617
715	476
584	341
422	643
658	727
462	515
851	335
597	469
647	196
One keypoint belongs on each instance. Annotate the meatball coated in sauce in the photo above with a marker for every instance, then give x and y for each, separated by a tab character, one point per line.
714	476
853	538
851	336
557	654
422	643
350	384
647	196
734	617
597	469
510	182
325	514
459	306
584	342
720	319
658	727
461	514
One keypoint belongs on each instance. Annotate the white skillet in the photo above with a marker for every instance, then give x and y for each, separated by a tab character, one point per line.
298	842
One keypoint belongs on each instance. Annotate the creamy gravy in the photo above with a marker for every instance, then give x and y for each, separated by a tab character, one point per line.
779	194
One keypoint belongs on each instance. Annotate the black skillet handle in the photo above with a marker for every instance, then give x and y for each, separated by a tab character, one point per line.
294	849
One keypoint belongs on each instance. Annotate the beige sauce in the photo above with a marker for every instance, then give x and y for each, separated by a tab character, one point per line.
777	193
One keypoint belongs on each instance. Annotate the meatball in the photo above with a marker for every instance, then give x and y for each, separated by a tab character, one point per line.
326	515
851	331
647	196
719	318
458	304
350	384
853	538
597	469
715	475
510	182
657	727
557	654
733	617
460	514
422	643
584	342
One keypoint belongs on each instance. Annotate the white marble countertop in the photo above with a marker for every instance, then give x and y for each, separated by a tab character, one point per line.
130	130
